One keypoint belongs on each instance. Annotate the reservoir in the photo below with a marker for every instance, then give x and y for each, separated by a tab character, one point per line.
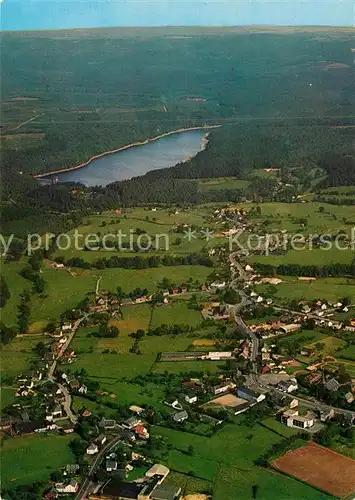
138	160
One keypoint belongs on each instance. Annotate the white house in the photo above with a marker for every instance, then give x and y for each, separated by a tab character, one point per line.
92	449
292	419
218	285
249	395
190	399
288	385
71	487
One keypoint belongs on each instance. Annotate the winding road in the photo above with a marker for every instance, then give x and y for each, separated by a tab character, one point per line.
67	396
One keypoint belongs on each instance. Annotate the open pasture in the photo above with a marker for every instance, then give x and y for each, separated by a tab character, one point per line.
32	458
322	288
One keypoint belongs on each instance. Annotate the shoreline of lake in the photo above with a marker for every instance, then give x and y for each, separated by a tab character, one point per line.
129	146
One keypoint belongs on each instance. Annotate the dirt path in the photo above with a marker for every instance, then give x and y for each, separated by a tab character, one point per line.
27	121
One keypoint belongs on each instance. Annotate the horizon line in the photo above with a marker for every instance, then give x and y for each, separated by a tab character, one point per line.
162	26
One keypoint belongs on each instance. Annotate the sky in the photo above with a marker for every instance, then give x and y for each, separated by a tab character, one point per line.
61	14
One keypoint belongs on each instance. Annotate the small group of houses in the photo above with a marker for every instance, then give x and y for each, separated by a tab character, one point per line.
95	445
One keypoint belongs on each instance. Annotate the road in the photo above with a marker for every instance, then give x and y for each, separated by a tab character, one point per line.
67	396
87	484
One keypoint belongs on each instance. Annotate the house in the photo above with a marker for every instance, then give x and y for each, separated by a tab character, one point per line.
325	415
221	388
70	487
54	412
174	404
132	422
292	419
67	428
218	285
111	465
101	439
137	409
180	416
288	385
349	398
74	385
332	385
25	428
249	395
107	424
83	389
307	351
126	302
218	355
128	435
158	470
67	327
141	431
292	327
92	449
191	398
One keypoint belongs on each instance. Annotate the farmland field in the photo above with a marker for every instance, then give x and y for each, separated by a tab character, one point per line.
323	468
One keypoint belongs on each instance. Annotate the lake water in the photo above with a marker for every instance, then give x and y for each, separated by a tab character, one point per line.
162	153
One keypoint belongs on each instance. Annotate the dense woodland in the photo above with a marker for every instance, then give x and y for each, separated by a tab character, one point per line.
287	105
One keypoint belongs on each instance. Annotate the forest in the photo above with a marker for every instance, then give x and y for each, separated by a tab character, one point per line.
283	100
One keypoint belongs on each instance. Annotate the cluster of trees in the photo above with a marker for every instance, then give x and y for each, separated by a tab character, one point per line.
138	262
23	317
4	291
335	269
7	334
340	169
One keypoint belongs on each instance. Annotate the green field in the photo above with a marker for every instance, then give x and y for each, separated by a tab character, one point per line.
310	336
321	288
32	458
17	356
288	215
176	312
226	459
347	353
222	183
307	257
7	397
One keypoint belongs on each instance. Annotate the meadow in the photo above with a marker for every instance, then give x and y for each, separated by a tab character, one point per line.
322	288
17	356
49	451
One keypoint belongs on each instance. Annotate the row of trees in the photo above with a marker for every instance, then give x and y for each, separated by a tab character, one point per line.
138	262
335	269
